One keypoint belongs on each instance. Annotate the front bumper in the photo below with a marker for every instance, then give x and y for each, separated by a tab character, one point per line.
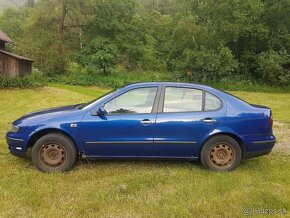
17	145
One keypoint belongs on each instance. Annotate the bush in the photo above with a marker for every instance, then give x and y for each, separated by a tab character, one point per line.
248	64
274	67
100	53
206	65
34	80
118	77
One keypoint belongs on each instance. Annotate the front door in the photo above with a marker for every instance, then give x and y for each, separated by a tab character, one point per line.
127	128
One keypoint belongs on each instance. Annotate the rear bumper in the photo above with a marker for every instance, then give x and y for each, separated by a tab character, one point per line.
259	148
256	153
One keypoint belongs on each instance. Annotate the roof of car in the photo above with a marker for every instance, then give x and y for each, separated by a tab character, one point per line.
169	84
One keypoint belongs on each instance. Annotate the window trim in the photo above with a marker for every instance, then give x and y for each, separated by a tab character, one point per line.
162	100
154	107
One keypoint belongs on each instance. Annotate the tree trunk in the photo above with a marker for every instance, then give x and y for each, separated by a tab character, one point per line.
61	31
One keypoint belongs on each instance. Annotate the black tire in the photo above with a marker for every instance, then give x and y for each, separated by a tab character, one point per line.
54	152
221	153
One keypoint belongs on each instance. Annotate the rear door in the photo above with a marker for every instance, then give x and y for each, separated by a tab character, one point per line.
186	116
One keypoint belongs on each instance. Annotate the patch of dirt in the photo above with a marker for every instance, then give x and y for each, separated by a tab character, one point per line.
282	133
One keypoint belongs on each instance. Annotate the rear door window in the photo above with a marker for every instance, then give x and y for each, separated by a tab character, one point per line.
178	99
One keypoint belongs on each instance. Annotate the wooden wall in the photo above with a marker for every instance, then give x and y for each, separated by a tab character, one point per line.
12	66
25	67
8	65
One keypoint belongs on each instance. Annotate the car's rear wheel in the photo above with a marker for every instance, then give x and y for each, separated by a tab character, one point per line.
54	152
221	153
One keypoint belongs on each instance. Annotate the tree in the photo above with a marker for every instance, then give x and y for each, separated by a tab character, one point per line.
210	39
274	67
235	23
100	53
48	32
114	20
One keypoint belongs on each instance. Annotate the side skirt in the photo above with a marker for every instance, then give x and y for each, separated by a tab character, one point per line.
136	158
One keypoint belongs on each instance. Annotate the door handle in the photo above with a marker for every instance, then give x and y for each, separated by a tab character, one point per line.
209	120
146	122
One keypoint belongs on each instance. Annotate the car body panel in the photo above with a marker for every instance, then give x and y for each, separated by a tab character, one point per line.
181	134
59	118
170	135
118	135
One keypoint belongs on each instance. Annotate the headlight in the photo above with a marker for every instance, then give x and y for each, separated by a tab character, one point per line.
14	128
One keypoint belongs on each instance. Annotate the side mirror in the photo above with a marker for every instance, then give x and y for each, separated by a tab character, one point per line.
101	111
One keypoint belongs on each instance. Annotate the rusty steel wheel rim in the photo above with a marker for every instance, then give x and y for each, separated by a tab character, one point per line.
52	154
222	155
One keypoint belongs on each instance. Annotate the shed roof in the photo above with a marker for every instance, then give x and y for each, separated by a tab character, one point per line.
4	37
16	56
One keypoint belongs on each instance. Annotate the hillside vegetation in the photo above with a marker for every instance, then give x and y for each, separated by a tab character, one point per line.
201	41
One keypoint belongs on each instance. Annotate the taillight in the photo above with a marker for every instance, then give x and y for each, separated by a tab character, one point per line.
271	120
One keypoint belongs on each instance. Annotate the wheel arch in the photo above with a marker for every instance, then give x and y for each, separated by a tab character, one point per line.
232	135
37	135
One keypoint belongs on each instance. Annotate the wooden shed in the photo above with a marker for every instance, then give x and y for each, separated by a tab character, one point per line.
11	64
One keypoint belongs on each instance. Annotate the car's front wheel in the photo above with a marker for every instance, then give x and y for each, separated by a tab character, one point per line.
221	153
54	152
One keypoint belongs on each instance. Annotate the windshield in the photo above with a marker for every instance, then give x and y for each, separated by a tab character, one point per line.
83	105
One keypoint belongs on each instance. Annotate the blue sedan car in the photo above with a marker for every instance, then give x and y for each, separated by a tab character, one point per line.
147	121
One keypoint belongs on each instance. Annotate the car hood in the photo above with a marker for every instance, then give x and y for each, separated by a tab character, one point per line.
47	114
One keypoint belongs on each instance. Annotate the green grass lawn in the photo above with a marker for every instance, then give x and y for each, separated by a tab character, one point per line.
136	188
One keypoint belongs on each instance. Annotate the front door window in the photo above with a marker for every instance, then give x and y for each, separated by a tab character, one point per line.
136	101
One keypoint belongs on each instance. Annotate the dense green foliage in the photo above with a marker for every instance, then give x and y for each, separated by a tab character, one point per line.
115	79
202	40
34	80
